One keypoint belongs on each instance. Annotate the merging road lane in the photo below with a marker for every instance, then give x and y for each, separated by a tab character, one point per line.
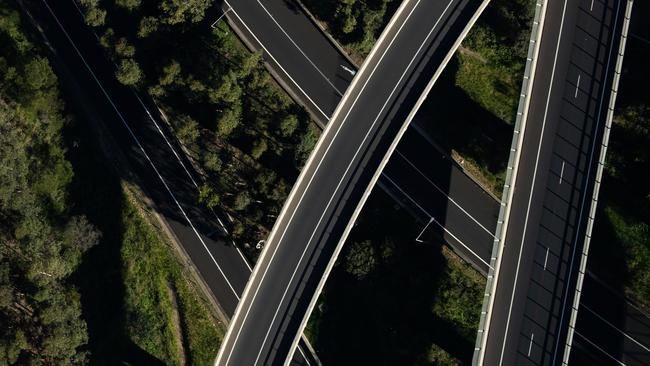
536	274
316	74
338	177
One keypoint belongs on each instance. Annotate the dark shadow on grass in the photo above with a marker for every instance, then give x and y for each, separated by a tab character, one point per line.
386	317
457	122
99	196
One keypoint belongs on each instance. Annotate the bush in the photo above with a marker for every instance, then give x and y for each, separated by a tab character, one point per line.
128	72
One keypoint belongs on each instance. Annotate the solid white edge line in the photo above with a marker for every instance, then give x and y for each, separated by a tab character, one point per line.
329	129
537	29
175	154
377	174
276	62
594	196
141	148
345	173
600	349
445	194
300	49
616	328
431	218
532	188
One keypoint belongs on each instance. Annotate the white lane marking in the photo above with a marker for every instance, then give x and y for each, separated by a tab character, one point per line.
589	165
438	223
546	258
600	349
530	346
575	95
223	227
351	161
423	230
530	197
141	148
441	191
562	171
616	328
313	175
277	63
220	16
304	356
300	49
591	8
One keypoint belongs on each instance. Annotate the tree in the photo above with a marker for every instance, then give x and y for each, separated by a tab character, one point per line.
306	145
94	15
288	125
360	260
229	91
123	48
212	162
188	130
171	73
229	121
128	73
39	74
208	196
266	180
148	25
128	4
259	148
242	200
178	11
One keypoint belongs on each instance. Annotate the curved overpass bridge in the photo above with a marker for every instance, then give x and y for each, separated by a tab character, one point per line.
343	168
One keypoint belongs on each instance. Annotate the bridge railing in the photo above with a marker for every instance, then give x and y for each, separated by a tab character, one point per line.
511	174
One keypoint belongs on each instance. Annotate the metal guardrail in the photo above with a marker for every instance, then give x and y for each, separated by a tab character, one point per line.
599	175
511	170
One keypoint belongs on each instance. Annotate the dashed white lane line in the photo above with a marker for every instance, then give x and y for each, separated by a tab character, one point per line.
562	172
546	258
575	95
530	345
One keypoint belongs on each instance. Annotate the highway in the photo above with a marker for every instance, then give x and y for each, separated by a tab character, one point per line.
316	74
224	267
536	272
316	218
146	154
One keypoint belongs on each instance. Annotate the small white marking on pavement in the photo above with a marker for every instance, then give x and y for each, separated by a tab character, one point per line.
591	8
562	172
220	16
423	230
575	95
530	346
546	259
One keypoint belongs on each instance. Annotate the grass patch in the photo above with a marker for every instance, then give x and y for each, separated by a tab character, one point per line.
124	280
391	300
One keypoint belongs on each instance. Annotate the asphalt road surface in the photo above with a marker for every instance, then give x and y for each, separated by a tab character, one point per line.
150	151
316	74
566	117
330	190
